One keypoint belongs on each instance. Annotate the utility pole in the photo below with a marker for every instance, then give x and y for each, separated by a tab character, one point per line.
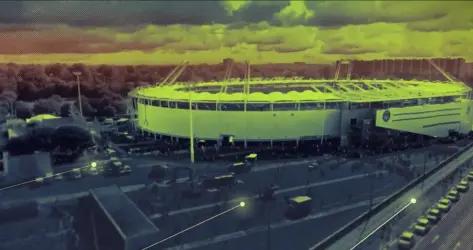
78	74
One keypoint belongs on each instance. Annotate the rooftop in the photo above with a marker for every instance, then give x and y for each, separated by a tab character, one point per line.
122	212
275	90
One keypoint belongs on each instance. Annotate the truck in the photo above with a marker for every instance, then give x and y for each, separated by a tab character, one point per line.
298	207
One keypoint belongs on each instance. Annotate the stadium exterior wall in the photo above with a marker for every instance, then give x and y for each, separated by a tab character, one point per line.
250	125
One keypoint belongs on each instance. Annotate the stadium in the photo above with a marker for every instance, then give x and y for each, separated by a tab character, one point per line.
273	110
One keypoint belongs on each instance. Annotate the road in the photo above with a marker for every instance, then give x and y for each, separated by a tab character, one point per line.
454	231
426	193
340	194
341	188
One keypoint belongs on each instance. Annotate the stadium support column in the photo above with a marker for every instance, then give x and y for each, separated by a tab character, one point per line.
191	129
247	92
323	124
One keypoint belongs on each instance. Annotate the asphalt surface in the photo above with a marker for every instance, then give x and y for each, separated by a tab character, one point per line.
454	231
339	195
341	190
426	193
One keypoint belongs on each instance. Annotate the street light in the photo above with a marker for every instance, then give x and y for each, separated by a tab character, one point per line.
78	74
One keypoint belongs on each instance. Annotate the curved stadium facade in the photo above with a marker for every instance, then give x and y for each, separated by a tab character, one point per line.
302	109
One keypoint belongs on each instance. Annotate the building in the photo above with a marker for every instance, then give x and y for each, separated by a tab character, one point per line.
302	109
19	168
116	223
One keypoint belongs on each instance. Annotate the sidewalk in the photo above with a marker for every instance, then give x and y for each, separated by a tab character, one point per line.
353	236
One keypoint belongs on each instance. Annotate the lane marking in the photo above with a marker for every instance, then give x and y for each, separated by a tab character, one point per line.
262	228
45	177
384	223
281	191
435	239
241	204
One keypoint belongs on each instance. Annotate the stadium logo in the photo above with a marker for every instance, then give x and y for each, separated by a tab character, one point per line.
386	115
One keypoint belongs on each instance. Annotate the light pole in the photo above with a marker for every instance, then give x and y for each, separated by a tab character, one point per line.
78	74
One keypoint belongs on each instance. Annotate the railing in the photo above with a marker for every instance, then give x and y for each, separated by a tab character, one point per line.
380	206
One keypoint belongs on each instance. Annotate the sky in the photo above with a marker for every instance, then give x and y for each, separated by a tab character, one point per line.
170	32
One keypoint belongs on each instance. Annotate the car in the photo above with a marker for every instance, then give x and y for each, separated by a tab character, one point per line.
443	205
461	188
37	182
219	181
434	215
58	176
313	165
125	169
75	174
113	168
422	226
110	152
158	172
48	178
251	158
269	192
239	167
453	195
470	176
93	170
406	240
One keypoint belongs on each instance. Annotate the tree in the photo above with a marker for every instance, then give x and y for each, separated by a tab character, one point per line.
23	109
20	145
71	137
65	110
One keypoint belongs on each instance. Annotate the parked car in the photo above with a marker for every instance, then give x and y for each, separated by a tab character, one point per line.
422	226
406	240
470	176
443	205
434	215
461	187
453	195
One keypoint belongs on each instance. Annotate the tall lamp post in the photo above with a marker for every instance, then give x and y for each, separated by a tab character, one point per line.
78	74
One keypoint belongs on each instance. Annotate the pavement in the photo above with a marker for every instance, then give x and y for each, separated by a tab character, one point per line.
341	190
425	197
454	231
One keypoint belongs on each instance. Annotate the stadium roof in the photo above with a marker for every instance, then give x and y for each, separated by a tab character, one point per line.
282	90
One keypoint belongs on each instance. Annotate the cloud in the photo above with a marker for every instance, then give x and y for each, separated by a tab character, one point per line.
232	6
65	39
457	16
260	42
295	13
419	15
